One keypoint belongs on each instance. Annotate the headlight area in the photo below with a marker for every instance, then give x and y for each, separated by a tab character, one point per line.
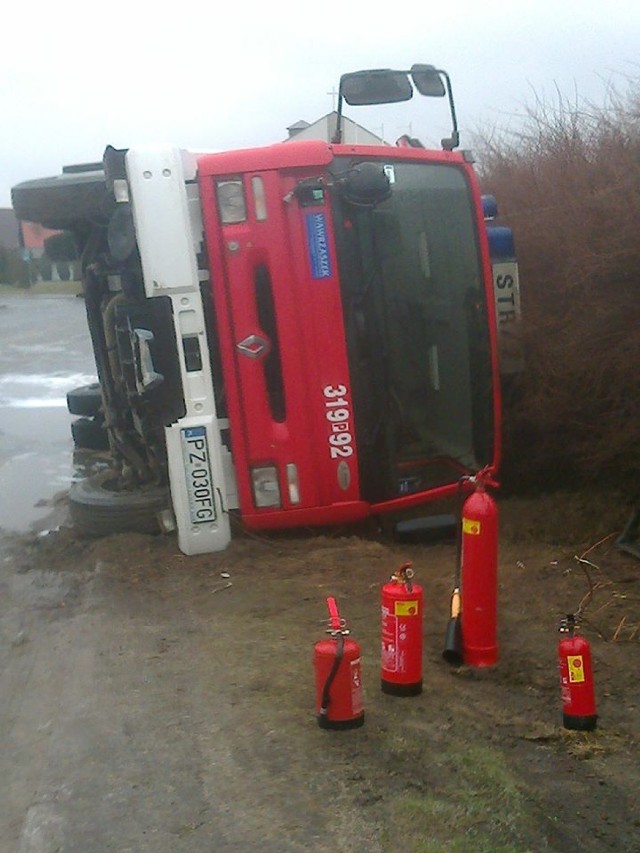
265	485
232	204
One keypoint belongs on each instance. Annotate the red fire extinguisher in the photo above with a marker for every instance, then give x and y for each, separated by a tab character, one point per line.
336	661
402	603
479	577
576	678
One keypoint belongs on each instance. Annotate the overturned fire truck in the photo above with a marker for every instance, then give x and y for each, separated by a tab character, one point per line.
302	334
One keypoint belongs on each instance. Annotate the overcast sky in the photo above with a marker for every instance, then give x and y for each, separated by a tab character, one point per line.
213	75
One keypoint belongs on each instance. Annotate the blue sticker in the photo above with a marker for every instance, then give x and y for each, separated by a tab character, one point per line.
194	432
318	244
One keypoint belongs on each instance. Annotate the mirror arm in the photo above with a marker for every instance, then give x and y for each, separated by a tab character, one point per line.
448	144
454	139
337	136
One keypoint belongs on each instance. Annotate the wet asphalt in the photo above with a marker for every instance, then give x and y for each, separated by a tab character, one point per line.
45	351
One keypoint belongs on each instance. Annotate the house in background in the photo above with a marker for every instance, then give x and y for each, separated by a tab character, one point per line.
324	128
15	234
26	240
22	247
33	237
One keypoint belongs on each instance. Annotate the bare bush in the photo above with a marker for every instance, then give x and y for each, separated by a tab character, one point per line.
568	183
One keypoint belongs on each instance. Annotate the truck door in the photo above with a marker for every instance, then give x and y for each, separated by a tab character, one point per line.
277	296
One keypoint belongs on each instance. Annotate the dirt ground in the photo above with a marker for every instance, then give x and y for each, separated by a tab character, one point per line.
156	702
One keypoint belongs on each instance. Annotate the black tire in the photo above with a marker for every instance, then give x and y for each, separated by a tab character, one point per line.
85	401
64	200
89	434
98	509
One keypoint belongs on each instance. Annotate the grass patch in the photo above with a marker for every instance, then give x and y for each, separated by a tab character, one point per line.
585	745
478	807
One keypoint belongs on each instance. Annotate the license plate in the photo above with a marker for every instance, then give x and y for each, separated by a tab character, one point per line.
195	454
506	289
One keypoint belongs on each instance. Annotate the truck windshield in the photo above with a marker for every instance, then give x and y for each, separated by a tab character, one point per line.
417	330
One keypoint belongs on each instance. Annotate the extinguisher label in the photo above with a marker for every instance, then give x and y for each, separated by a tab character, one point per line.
357	703
395	630
405	608
576	668
389	640
471	527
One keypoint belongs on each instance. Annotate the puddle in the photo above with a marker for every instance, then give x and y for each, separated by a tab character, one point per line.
46	351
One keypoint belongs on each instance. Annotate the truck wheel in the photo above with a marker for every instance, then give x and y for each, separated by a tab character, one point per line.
98	508
88	434
85	401
64	200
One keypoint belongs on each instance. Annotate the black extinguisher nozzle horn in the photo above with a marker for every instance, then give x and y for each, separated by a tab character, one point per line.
452	651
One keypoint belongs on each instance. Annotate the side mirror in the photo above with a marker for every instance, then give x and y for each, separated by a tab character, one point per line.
380	86
365	185
121	233
384	86
427	81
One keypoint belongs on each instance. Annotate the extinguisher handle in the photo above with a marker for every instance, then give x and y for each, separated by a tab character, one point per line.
487	478
335	622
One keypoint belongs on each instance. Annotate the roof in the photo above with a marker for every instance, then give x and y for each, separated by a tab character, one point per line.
301	124
324	128
34	235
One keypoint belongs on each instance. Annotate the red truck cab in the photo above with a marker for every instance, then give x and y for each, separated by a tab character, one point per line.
353	301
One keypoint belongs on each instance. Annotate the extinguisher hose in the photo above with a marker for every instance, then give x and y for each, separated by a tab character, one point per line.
326	690
458	571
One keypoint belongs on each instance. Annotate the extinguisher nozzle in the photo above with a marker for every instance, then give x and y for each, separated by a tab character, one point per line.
452	651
